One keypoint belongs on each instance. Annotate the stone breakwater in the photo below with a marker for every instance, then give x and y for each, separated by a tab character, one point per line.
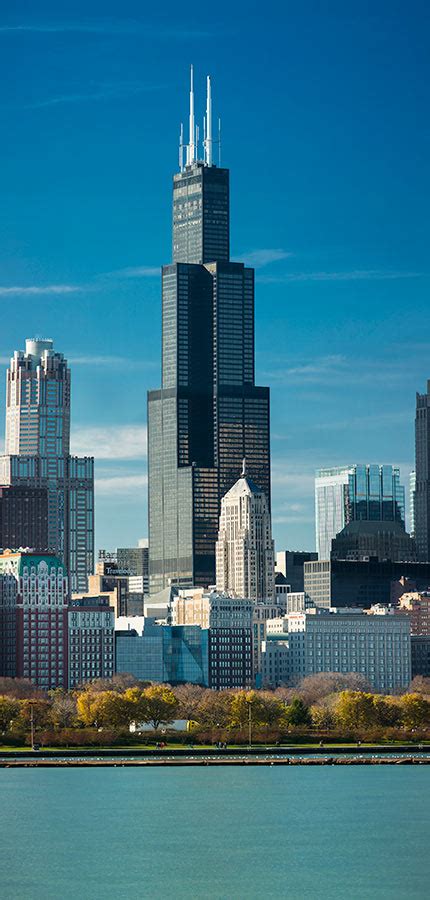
212	761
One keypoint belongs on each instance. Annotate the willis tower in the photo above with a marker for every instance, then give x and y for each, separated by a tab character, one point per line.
208	415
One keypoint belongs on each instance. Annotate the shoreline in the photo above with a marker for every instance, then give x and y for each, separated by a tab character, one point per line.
44	762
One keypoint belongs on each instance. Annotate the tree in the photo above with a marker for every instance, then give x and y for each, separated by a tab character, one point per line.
9	710
297	713
20	688
314	688
38	709
420	685
414	710
158	705
118	683
356	709
214	709
62	713
322	716
189	697
104	709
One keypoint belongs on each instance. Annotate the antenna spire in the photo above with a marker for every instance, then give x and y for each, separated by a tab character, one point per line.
208	141
191	149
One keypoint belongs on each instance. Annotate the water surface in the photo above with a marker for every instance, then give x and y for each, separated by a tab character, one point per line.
326	832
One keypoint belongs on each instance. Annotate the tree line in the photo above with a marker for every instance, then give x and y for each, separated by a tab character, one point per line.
102	711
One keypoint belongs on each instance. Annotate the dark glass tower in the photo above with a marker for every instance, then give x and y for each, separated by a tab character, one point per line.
422	476
208	414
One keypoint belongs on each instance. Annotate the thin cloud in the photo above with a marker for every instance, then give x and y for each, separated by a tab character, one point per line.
36	289
110	442
354	275
133	272
263	257
95	360
121	484
102	91
338	370
106	26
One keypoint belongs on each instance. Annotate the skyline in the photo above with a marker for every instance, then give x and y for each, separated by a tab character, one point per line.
341	244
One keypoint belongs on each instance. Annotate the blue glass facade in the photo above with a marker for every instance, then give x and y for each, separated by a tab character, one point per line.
175	654
375	494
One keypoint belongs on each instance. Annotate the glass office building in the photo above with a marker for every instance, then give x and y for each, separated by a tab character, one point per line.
175	654
208	414
422	476
355	493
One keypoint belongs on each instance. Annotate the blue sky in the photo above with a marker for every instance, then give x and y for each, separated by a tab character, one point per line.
325	129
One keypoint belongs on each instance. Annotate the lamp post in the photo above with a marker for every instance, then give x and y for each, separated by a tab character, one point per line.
249	702
32	726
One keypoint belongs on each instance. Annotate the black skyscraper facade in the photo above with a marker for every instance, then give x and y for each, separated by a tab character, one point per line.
208	414
422	476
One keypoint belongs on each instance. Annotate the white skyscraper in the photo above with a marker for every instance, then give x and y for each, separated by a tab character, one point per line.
38	401
37	454
245	555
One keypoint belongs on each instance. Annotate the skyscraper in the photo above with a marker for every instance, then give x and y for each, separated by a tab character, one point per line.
422	475
245	552
355	493
38	457
208	414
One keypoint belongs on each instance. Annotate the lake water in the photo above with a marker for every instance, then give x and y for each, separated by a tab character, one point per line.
329	832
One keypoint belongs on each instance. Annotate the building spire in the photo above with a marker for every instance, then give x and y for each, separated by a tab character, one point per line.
208	137
243	474
191	149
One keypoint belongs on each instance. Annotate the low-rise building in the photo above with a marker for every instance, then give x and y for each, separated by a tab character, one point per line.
416	605
91	623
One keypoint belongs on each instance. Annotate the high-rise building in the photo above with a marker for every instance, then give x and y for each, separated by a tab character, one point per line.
208	414
355	493
412	485
34	596
91	637
422	475
245	551
24	517
38	456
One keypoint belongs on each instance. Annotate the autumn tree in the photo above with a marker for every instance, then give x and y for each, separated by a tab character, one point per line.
9	710
414	710
355	710
158	705
36	709
315	688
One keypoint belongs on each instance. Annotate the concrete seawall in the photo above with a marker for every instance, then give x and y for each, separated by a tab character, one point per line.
213	761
